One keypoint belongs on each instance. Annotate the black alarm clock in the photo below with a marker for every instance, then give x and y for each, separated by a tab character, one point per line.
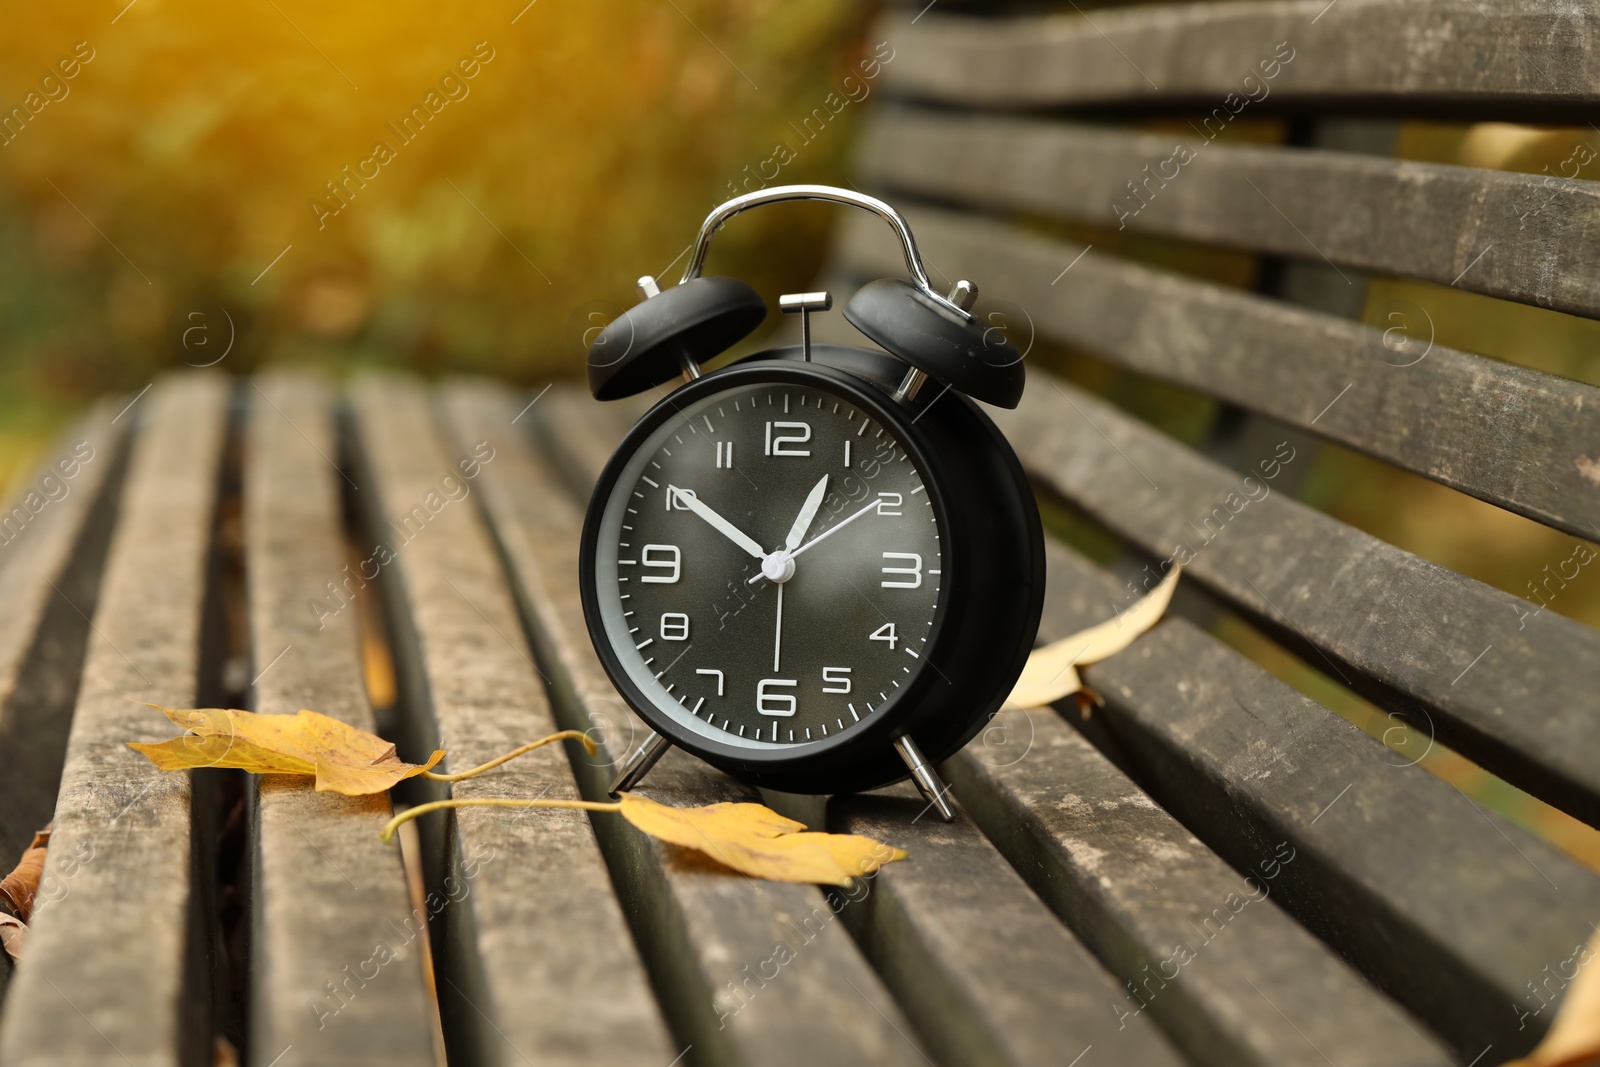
819	568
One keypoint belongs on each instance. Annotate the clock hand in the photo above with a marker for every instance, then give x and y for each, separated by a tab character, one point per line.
824	534
718	523
808	512
777	638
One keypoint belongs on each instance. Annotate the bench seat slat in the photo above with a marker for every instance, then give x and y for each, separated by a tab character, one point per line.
986	972
1458	908
1533	58
1524	237
52	549
327	891
1391	625
1229	975
534	957
708	936
1514	437
121	851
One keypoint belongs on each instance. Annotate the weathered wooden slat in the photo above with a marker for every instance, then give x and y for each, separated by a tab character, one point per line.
1452	909
1517	438
53	535
534	957
111	970
327	892
1497	57
712	939
1525	237
1207	953
1489	674
985	971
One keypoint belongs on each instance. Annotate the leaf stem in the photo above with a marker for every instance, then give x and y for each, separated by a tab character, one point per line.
492	802
564	735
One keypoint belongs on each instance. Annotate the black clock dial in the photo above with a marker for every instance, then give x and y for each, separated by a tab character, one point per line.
768	566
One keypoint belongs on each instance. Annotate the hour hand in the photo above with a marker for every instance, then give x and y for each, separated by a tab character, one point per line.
808	512
717	522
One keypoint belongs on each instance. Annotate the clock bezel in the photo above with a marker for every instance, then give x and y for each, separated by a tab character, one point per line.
888	720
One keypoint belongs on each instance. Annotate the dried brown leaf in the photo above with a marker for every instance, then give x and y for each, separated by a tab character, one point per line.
1052	671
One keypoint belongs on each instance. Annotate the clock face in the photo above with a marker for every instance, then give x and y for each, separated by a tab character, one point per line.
768	566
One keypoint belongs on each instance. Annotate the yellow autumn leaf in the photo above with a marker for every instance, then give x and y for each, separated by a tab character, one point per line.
755	840
342	758
1051	672
751	839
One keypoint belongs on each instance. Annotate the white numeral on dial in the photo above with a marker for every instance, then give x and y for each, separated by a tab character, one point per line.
781	444
675	498
666	558
838	677
913	572
674	626
885	633
724	454
703	670
780	705
889	504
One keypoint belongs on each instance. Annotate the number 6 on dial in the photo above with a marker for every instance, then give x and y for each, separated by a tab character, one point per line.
780	705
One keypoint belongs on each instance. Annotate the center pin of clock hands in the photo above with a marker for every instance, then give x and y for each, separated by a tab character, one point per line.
787	558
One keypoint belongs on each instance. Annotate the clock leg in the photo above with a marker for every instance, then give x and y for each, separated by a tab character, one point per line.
927	779
640	762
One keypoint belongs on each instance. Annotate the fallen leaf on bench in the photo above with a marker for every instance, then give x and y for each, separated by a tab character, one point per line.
342	758
755	840
1052	671
18	891
19	888
751	839
1574	1036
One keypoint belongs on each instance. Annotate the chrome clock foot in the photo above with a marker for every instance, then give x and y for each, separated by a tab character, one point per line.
927	779
640	762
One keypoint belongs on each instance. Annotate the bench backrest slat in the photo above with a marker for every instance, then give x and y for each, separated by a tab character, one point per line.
1503	433
1532	57
1375	617
1524	237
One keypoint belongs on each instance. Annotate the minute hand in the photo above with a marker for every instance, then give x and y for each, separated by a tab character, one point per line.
718	523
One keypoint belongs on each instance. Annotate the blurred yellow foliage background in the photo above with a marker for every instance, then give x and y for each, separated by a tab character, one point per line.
184	158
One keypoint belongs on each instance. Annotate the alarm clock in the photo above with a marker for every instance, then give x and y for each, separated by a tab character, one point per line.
819	568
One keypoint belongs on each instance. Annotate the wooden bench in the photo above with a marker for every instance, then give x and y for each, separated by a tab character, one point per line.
1212	868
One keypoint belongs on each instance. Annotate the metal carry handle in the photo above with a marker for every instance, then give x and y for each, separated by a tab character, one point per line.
781	193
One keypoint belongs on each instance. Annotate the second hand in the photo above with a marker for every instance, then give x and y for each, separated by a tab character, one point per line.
777	639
